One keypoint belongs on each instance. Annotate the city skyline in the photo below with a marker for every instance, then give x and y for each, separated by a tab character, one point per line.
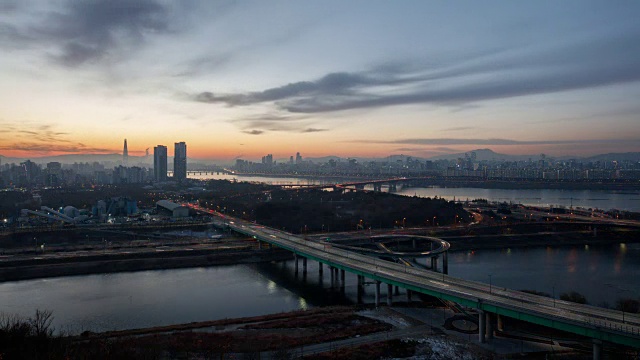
367	79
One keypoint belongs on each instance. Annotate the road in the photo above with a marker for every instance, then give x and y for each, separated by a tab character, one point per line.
417	331
604	324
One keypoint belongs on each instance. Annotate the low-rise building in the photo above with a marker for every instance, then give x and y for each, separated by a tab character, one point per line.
171	208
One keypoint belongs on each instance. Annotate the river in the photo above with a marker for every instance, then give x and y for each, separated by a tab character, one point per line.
600	199
152	298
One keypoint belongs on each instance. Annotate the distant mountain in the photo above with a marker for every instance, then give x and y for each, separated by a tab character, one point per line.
490	155
481	155
630	156
78	158
487	155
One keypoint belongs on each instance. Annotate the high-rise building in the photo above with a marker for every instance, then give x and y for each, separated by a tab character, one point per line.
160	163
180	161
268	159
125	154
298	158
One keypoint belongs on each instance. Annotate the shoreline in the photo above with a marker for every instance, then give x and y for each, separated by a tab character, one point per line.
30	269
444	181
470	242
105	264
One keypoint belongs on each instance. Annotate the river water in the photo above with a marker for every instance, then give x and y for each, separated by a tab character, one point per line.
152	298
600	199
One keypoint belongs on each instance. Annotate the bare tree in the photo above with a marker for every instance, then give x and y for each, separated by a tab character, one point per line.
41	323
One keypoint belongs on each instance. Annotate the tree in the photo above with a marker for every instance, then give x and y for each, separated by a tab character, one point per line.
628	305
574	297
41	323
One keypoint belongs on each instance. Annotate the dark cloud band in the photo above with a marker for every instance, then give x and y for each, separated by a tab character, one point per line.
517	72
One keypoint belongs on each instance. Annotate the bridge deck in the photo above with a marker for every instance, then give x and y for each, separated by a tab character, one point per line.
594	322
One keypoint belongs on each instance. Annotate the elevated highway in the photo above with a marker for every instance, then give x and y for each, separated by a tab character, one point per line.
599	324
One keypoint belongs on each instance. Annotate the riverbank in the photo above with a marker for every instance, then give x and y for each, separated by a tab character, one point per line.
337	332
573	238
35	268
515	184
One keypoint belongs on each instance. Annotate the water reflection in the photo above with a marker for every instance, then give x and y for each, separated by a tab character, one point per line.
272	287
572	258
569	268
303	303
152	298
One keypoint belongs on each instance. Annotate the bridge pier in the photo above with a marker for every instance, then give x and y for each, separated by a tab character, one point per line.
377	297
396	291
333	276
342	280
482	327
295	260
320	268
434	263
445	262
360	288
304	265
259	245
597	349
489	321
389	294
408	295
499	323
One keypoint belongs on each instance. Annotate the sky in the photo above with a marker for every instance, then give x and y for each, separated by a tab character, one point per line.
241	79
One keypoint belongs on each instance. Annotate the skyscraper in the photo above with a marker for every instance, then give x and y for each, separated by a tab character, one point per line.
160	163
180	161
125	154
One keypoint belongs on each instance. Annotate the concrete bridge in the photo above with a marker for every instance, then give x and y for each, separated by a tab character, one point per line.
377	184
599	324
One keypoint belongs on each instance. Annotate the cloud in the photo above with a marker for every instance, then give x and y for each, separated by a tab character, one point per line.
269	118
275	122
495	142
47	148
254	132
8	6
83	32
42	138
459	128
547	68
333	84
311	130
40	133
